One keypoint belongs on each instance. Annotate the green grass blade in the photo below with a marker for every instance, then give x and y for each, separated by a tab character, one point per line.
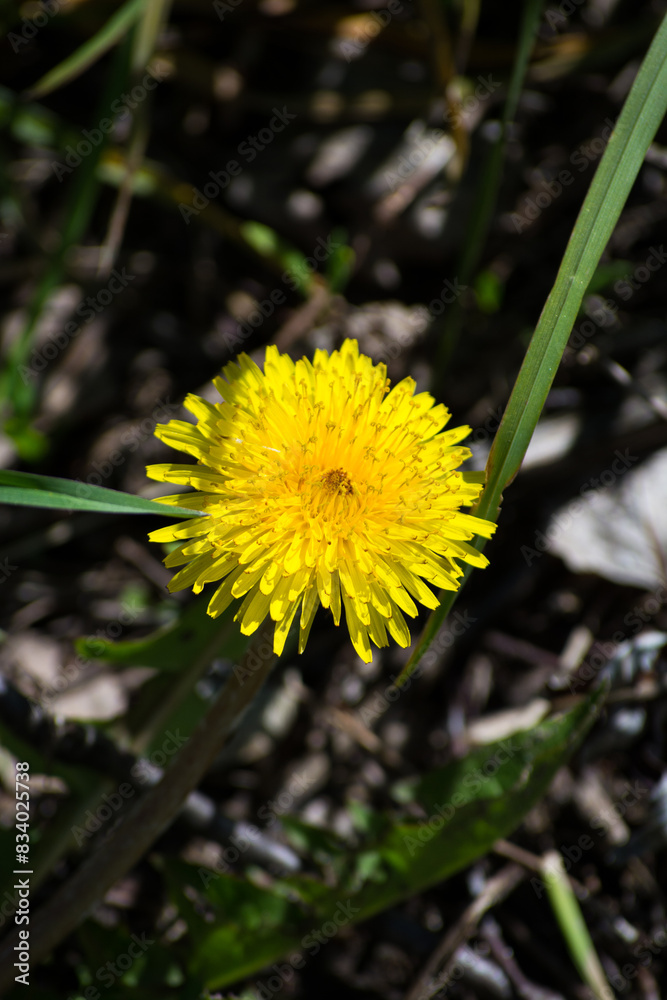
18	390
267	243
637	124
88	53
170	647
144	39
489	182
573	926
153	18
29	490
485	203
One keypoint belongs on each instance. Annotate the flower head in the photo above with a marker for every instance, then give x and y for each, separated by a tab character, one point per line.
321	485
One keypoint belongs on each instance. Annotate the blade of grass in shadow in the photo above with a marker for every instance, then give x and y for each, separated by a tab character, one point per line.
17	388
121	209
143	45
153	18
88	53
469	21
489	183
277	253
433	14
25	489
634	131
637	124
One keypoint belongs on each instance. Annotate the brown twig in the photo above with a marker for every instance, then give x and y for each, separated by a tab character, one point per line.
495	890
533	863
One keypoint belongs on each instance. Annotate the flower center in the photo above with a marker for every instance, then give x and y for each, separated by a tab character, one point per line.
336	482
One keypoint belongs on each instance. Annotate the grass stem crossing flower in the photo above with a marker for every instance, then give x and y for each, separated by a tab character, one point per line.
321	485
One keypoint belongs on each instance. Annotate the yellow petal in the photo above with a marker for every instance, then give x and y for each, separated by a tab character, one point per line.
358	633
252	614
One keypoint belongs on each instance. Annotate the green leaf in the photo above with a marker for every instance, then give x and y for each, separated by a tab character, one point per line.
29	490
489	291
267	243
92	50
467	806
607	274
78	778
152	967
322	845
254	924
30	443
169	648
473	802
340	265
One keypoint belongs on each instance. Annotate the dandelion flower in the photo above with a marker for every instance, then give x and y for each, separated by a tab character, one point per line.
321	485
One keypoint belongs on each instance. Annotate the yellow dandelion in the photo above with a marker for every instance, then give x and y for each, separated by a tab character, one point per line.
321	485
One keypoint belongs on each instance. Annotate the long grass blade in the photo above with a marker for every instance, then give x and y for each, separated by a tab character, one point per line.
17	390
154	16
637	124
92	50
26	489
489	183
573	926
